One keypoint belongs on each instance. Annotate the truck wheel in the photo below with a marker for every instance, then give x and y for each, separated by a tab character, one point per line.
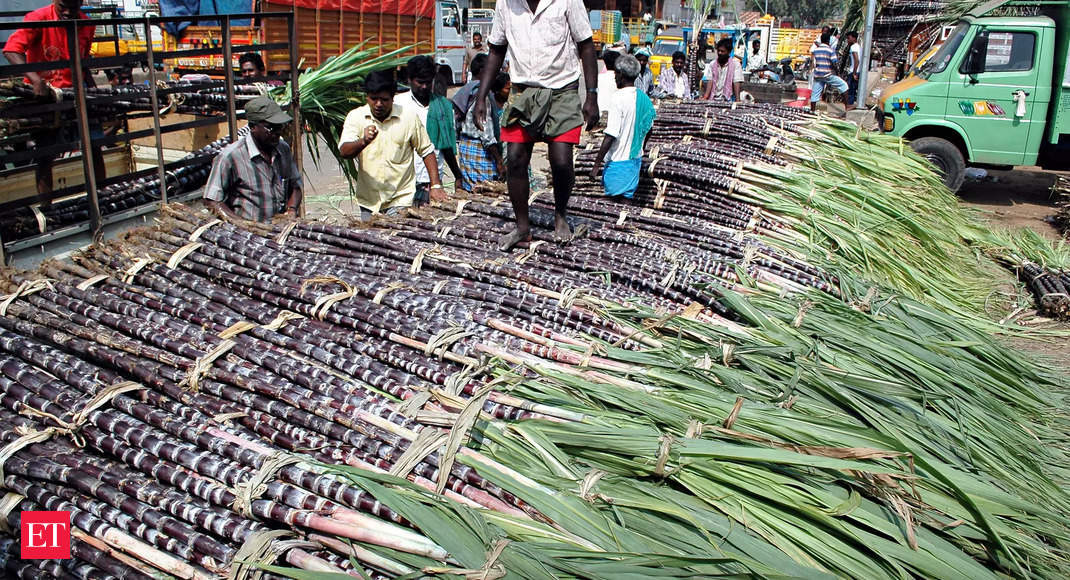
945	156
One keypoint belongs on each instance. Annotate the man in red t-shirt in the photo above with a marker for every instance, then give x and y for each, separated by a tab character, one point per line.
31	45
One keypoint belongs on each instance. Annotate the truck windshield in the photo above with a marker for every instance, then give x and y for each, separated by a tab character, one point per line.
667	47
939	61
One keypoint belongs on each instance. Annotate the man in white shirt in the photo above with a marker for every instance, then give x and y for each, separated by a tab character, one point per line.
420	99
725	74
754	59
607	80
470	52
546	41
854	65
631	115
673	81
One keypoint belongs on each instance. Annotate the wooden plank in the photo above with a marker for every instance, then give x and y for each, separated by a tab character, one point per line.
22	182
145	157
361	27
330	44
380	36
188	140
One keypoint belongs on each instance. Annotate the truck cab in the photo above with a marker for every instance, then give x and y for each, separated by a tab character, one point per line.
996	93
450	41
662	50
454	25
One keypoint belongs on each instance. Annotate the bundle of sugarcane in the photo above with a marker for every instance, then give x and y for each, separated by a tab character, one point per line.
248	338
15	126
809	187
1042	267
697	47
26	222
1051	289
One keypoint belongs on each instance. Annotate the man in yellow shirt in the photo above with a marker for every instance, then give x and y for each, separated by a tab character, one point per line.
383	137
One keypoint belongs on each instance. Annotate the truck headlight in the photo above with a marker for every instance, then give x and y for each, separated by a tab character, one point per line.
888	125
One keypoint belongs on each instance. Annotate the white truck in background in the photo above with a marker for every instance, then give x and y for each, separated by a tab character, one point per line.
454	25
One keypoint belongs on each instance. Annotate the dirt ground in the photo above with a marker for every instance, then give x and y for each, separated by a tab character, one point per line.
1021	198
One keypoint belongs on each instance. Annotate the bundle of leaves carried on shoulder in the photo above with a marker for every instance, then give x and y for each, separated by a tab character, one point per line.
330	91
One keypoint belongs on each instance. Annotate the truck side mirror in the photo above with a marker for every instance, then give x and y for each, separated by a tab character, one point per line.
975	58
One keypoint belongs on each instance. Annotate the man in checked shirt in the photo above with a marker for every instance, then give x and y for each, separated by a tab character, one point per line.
256	177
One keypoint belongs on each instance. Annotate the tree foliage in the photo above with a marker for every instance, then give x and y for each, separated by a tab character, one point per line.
807	13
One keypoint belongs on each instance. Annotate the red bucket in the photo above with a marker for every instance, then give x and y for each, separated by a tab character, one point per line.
803	93
798	104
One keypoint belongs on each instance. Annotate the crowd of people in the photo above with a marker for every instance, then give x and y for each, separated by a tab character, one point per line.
723	77
824	55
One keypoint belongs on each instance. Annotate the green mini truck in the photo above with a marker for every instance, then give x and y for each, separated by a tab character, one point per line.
995	94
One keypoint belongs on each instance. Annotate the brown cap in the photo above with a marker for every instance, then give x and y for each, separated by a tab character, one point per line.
265	110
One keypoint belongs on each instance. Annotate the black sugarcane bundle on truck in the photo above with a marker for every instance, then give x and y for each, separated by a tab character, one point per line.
110	101
26	222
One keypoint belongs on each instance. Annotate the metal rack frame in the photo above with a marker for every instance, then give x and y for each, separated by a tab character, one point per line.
149	58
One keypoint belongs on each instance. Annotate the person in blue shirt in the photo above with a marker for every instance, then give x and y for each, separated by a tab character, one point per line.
824	65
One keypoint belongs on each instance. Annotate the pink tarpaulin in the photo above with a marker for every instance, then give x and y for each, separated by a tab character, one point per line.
424	8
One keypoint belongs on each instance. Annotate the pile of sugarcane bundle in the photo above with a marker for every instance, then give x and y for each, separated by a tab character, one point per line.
901	22
848	200
26	222
898	23
706	382
200	390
